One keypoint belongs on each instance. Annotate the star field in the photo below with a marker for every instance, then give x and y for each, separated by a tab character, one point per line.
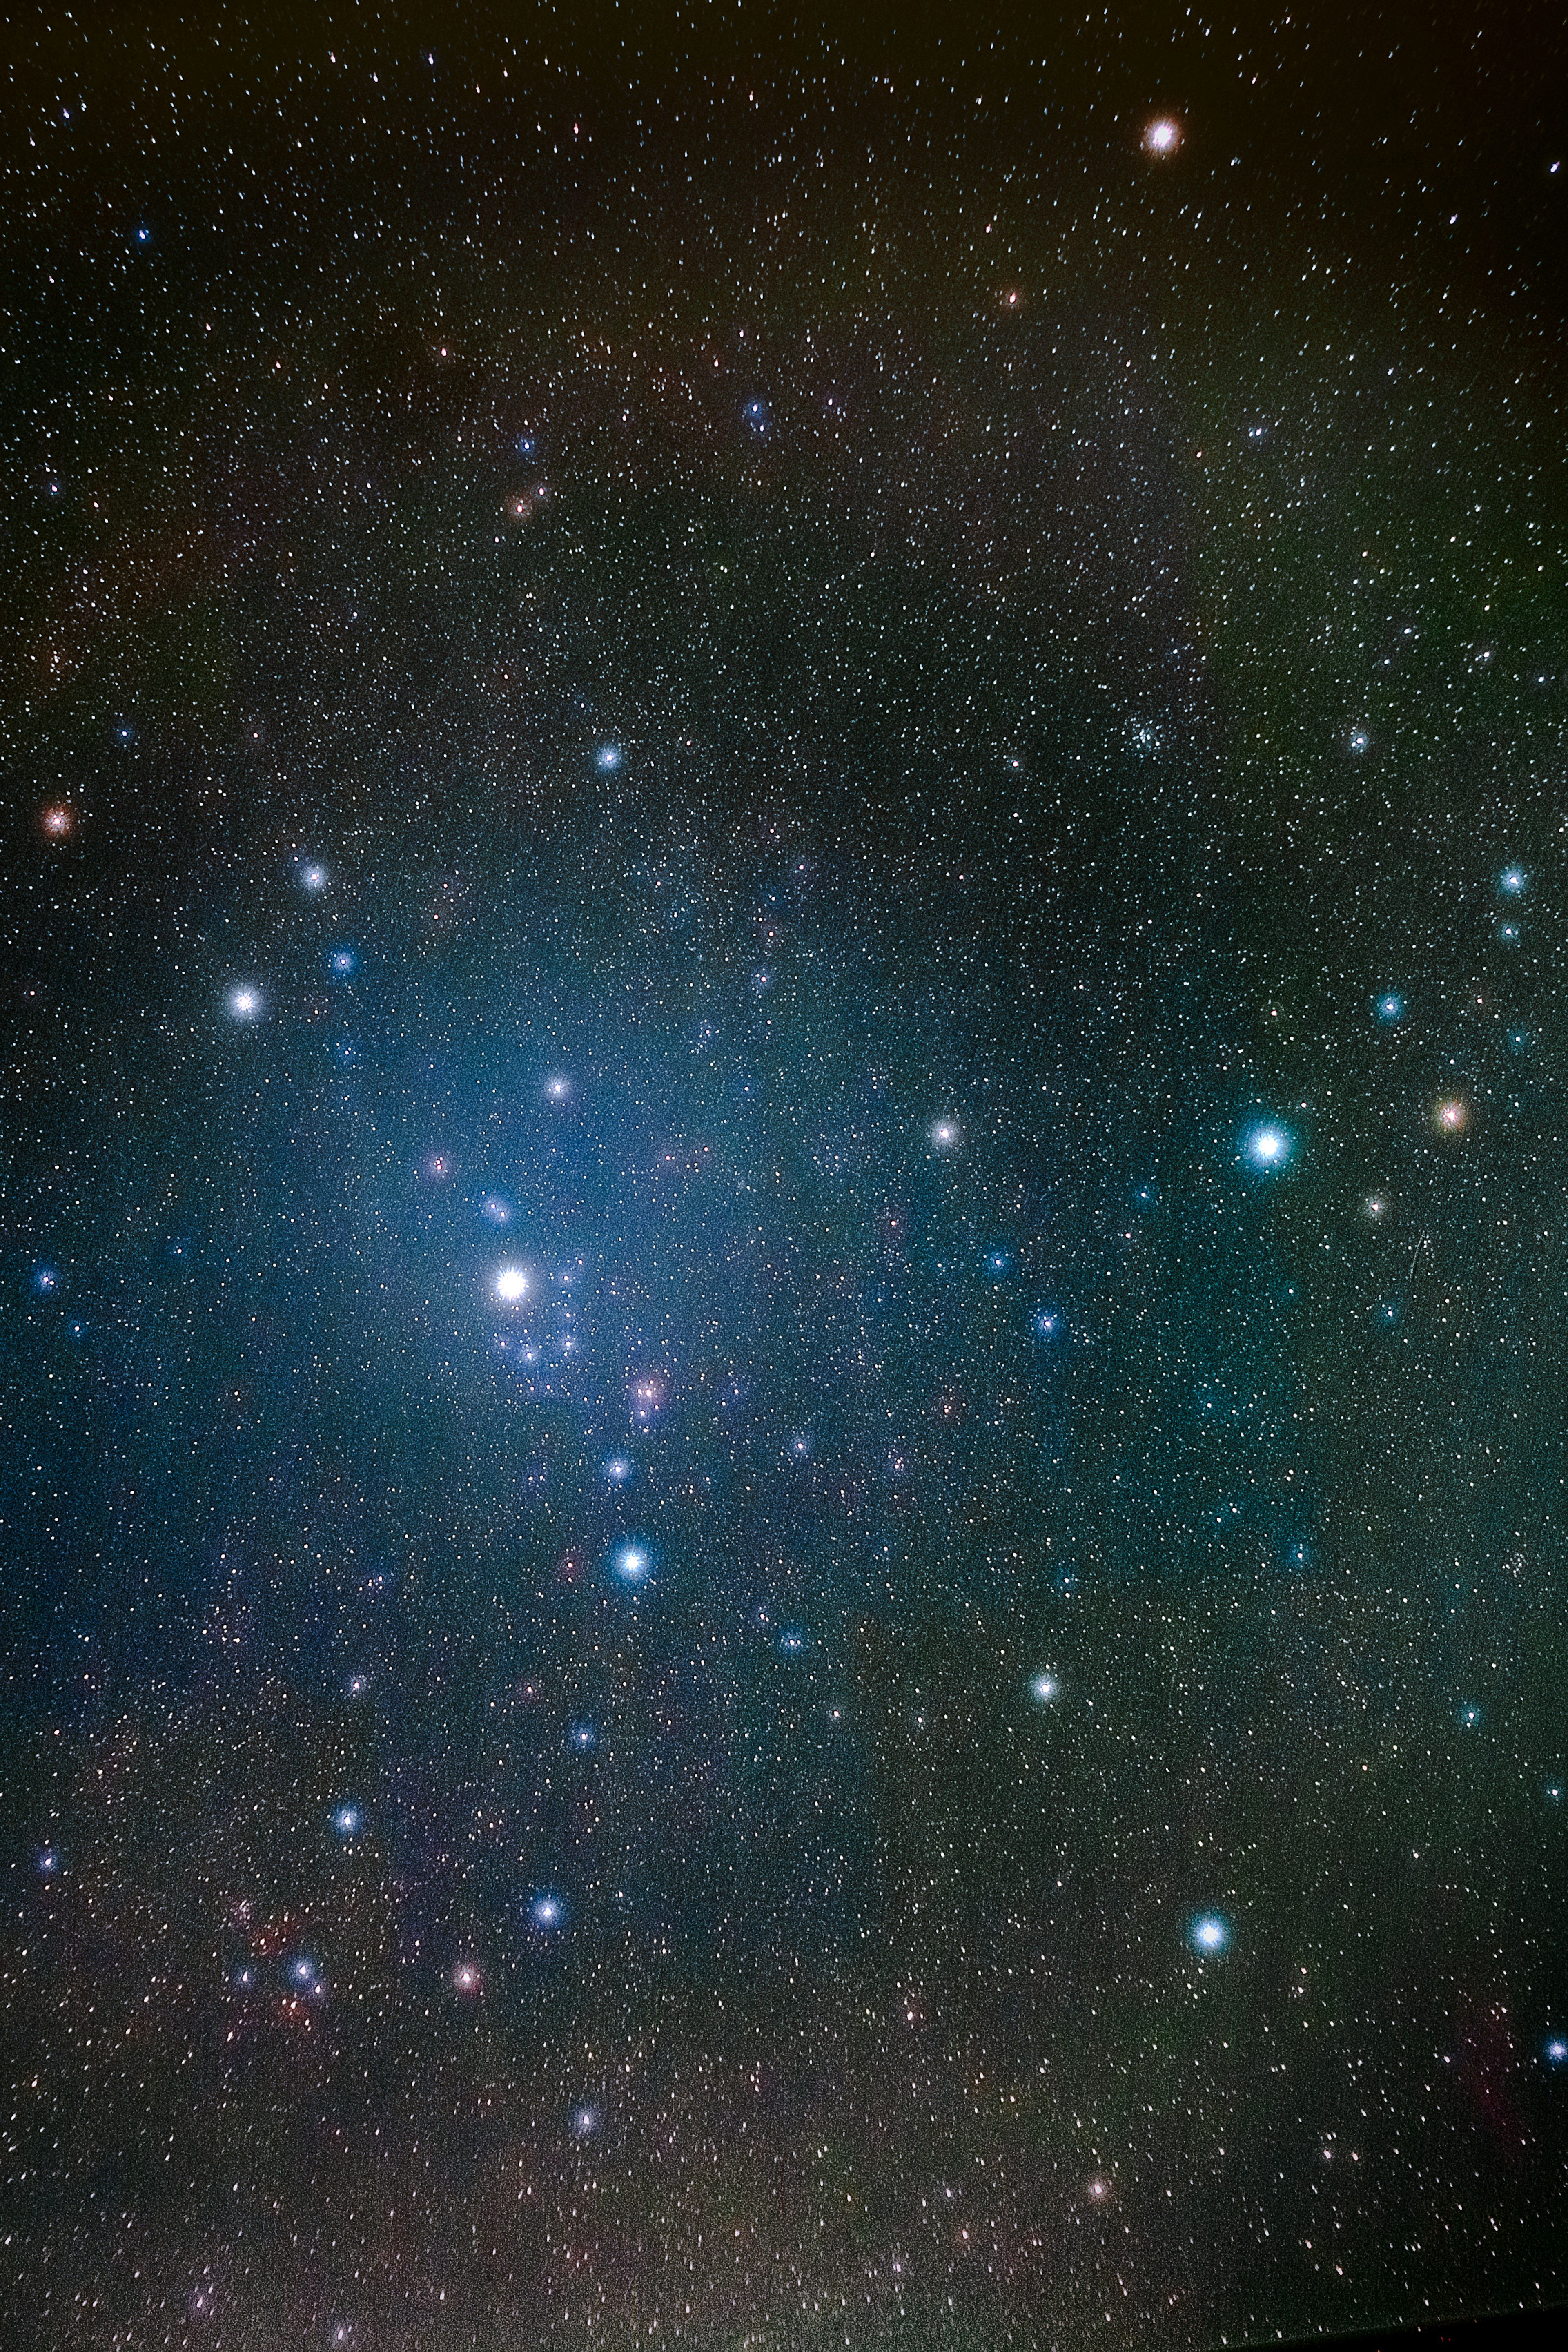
783	1265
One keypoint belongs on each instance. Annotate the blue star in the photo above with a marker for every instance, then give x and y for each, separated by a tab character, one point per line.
1268	1146
756	418
1513	881
1470	1714
1209	1934
346	1820
633	1565
1556	2052
607	757
1044	1688
342	963
547	1913
1390	1007
583	1738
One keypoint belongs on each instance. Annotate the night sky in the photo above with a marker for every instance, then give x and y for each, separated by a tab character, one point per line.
782	1176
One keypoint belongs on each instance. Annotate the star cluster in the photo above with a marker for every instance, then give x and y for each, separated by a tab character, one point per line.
784	1263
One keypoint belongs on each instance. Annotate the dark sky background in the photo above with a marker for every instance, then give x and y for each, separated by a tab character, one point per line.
782	1253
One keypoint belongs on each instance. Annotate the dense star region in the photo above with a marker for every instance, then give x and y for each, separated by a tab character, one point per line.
783	1253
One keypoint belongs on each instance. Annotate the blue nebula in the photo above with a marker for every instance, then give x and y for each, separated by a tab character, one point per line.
546	1912
582	1737
791	1643
1470	1714
607	757
342	963
756	418
1513	881
1047	1323
997	1263
346	1820
1556	2050
1390	1007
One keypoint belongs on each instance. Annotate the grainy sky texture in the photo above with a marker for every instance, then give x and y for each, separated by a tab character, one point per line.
783	1183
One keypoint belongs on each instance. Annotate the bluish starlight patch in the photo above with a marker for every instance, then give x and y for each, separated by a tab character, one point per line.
1268	1146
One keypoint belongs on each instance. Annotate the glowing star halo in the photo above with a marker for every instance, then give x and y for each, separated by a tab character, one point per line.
1162	136
1268	1147
511	1285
